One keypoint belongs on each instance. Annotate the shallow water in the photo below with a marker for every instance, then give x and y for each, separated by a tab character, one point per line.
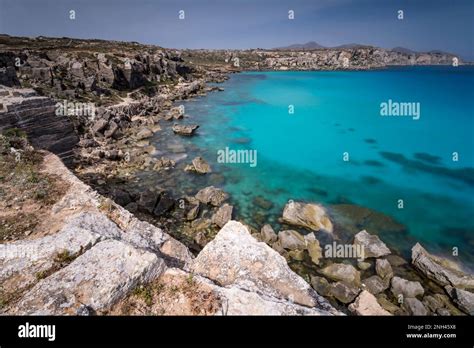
300	155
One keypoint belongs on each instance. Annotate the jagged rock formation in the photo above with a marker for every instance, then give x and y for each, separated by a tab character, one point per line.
95	254
37	117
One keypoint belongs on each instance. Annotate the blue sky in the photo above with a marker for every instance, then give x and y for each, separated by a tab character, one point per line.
428	24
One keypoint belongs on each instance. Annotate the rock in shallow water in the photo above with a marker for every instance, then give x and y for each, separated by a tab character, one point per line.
212	195
372	245
185	130
441	271
311	216
342	272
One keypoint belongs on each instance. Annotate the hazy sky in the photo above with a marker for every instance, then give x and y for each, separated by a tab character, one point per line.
428	24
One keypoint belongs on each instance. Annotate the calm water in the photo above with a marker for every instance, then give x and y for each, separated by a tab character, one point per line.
300	155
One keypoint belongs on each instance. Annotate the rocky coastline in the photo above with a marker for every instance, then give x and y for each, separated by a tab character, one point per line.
185	248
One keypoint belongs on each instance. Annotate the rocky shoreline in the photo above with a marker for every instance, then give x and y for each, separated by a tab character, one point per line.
216	260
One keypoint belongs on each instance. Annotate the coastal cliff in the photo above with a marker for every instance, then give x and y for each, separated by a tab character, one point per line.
97	242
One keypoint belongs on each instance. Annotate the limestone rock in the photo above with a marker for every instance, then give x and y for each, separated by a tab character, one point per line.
342	272
342	292
462	298
406	288
372	245
199	166
291	240
311	216
212	195
414	306
222	215
375	284
268	234
440	270
366	304
90	281
185	130
235	259
384	269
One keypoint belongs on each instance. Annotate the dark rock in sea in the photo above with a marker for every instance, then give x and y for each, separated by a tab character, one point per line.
370	180
165	204
120	197
427	157
370	141
147	201
465	175
242	140
263	203
373	163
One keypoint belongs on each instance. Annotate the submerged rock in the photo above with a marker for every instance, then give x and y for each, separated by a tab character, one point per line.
212	195
372	245
185	129
440	270
199	165
311	216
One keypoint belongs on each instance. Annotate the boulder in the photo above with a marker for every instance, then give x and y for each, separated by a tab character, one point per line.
291	240
414	306
144	133
212	195
440	270
311	216
372	245
384	269
164	163
462	298
375	284
321	285
199	165
164	205
314	249
366	304
185	129
342	272
342	292
90	281
235	259
222	215
268	234
406	288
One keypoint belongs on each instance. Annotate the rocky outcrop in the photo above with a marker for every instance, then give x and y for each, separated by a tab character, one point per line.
37	117
235	259
311	216
440	270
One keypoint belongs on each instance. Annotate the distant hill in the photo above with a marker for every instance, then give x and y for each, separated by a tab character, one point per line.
403	50
311	45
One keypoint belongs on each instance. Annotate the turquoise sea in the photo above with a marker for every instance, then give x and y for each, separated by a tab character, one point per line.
300	155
